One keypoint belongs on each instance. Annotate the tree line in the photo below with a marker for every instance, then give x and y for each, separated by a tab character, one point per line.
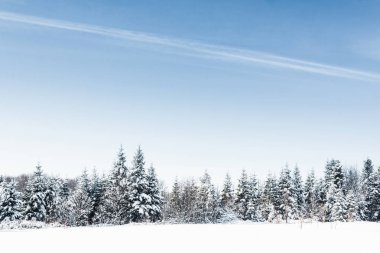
134	194
125	195
341	195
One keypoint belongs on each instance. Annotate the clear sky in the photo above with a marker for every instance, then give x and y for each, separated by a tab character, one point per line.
216	85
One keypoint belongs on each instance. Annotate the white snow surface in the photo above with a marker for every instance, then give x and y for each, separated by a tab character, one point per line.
241	237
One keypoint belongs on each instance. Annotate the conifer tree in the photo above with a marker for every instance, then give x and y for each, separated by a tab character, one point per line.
97	189
139	200
298	194
227	197
81	201
204	210
271	199
175	199
372	197
367	170
52	199
288	202
10	202
116	206
321	192
338	210
189	198
351	181
334	174
64	207
351	206
335	203
35	204
365	182
155	211
330	201
254	208
64	193
243	196
215	205
310	195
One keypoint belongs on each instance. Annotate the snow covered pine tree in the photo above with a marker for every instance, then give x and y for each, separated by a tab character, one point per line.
35	204
138	199
155	210
116	207
10	202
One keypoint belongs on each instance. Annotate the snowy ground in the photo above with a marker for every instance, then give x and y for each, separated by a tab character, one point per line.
247	237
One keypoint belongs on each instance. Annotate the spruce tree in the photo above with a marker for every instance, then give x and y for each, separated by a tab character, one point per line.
298	194
243	196
97	189
334	179
338	210
288	202
310	195
204	211
116	207
367	170
139	200
365	182
189	198
64	207
254	208
321	192
351	180
334	174
227	197
330	201
335	208
64	193
81	201
35	204
271	199
351	206
175	199
215	205
10	202
52	199
155	211
372	197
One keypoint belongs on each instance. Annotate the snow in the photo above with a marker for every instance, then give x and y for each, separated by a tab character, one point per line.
242	237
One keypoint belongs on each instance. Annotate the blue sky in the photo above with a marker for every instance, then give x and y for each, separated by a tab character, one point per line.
216	85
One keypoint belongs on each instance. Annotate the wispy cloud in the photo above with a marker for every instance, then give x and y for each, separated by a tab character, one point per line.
204	49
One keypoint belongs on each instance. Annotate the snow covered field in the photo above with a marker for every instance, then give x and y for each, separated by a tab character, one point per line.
246	237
